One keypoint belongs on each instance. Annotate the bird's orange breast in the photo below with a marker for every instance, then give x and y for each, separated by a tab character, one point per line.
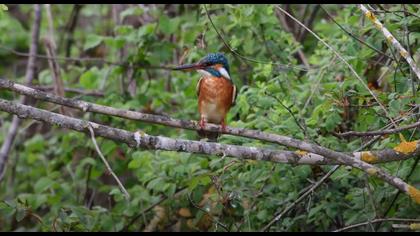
215	98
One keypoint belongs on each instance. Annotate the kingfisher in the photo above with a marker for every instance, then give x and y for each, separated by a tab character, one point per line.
215	90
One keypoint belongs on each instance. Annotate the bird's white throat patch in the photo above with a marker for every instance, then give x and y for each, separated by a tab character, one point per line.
224	72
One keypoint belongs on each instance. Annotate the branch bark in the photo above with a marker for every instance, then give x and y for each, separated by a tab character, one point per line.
299	157
30	71
391	39
93	93
51	47
139	139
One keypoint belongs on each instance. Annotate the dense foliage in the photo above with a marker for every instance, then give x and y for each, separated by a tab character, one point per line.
55	180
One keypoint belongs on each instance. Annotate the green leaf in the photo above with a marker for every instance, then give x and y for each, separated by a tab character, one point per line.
3	205
167	25
115	191
108	146
134	164
35	144
155	184
314	211
92	41
394	107
20	214
131	11
115	42
170	190
43	184
89	79
332	120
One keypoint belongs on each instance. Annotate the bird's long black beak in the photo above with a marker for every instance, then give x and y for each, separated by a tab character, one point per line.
194	66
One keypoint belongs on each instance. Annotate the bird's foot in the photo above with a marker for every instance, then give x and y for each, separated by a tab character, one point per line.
202	123
223	124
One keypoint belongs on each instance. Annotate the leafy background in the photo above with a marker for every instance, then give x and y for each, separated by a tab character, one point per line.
56	182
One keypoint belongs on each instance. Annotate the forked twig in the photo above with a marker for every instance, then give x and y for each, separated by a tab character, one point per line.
122	188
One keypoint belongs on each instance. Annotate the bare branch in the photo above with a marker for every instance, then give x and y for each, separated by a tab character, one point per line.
70	27
354	36
207	213
87	59
303	196
30	71
162	199
316	185
390	38
379	132
343	60
163	143
143	140
234	52
51	48
300	53
308	157
98	150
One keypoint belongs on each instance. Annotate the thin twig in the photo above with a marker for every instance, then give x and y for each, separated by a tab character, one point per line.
379	132
393	12
291	113
376	221
314	187
162	199
302	197
243	57
207	213
342	59
257	195
314	88
394	199
345	62
88	59
299	50
122	188
354	36
70	27
370	194
309	22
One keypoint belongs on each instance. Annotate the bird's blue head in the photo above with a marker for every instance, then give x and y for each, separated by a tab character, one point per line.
214	64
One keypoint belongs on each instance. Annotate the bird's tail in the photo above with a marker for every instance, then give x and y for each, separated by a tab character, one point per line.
211	136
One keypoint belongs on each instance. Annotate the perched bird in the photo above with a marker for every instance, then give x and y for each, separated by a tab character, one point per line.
215	90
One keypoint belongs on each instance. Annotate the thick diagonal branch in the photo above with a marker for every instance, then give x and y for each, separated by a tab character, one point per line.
371	157
169	144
